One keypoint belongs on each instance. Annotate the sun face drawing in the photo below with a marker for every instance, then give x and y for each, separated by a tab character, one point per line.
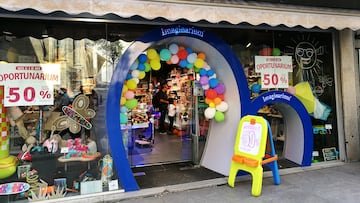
308	66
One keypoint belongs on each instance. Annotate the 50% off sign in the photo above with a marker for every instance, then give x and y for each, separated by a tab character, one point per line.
25	95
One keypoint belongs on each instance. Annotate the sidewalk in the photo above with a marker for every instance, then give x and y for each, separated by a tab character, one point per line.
322	182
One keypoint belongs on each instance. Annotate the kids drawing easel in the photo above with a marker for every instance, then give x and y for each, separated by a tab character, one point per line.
252	151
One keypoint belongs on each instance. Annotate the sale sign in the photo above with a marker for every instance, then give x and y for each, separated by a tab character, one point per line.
274	70
29	84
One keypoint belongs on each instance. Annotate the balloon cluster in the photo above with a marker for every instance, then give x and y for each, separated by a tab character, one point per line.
184	58
267	51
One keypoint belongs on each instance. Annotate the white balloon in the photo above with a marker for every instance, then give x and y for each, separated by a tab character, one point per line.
210	113
223	106
174	48
136	80
135	73
191	58
206	87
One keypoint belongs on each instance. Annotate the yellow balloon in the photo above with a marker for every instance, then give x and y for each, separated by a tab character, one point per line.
199	63
151	54
142	75
212	105
131	84
155	65
122	101
124	89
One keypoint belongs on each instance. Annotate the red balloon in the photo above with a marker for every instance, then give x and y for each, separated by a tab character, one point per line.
211	94
182	54
221	96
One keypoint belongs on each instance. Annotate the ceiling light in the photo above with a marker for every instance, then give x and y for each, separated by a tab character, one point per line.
248	45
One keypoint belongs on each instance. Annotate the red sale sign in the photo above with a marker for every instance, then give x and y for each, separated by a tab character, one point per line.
29	84
274	70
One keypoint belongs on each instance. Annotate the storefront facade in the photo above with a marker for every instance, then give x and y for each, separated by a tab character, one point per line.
315	108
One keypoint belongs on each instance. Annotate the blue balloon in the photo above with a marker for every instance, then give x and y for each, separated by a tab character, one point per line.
142	58
255	88
210	73
123	118
141	67
128	76
189	65
188	50
203	72
165	54
183	63
123	109
213	82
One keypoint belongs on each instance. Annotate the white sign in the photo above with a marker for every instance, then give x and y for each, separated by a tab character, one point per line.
29	84
250	138
274	70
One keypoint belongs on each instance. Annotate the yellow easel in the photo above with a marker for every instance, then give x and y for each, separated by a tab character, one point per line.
251	152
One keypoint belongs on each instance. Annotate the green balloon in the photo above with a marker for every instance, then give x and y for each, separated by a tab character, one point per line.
131	103
276	52
123	118
219	116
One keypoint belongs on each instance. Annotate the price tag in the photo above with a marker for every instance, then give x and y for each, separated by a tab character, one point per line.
23	94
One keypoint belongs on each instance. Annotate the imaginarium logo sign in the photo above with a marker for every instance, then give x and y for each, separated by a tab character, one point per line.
182	30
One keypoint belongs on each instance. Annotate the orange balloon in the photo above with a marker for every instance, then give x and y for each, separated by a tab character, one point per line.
217	100
201	56
208	101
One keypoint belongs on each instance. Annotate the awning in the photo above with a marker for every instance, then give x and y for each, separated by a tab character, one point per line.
194	11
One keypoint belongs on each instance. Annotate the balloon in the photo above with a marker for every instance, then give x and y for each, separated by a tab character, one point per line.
219	116
142	58
182	54
210	72
165	54
196	70
188	50
204	80
201	56
123	109
124	89
123	118
211	94
122	101
221	96
152	54
183	63
213	82
208	101
136	80
217	101
212	105
191	57
209	113
174	48
206	87
147	67
222	107
203	72
213	76
220	88
134	66
265	51
174	59
199	63
141	67
129	95
131	84
131	103
291	90
142	75
189	65
155	65
255	88
276	52
135	73
128	76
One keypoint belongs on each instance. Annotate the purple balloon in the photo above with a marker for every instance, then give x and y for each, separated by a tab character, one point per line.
220	88
204	80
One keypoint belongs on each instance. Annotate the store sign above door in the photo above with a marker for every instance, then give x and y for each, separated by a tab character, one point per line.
182	30
274	70
29	84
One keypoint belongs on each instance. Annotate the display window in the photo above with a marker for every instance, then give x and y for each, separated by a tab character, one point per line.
54	90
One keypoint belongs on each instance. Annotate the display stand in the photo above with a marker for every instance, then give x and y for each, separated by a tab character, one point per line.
252	150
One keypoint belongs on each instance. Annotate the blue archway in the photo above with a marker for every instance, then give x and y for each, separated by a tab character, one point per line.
296	117
119	76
